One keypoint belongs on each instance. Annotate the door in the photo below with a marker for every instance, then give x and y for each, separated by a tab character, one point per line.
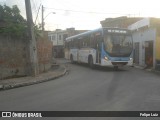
136	53
149	53
98	47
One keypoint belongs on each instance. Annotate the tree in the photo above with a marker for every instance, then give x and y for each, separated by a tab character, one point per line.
13	23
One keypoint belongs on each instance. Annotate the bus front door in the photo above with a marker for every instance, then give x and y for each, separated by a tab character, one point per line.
98	54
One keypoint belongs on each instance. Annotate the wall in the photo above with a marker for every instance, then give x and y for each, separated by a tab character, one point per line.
13	57
44	51
141	36
158	52
122	22
155	22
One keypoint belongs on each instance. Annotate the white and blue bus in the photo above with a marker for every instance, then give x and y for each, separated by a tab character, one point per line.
103	47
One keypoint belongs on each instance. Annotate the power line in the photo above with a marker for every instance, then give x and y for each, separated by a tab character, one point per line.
37	13
36	10
34	6
89	12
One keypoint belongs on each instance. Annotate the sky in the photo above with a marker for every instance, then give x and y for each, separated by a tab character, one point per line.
85	14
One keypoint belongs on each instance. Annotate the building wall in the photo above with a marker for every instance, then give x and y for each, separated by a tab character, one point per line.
122	22
44	51
54	36
158	53
141	37
155	22
58	38
13	57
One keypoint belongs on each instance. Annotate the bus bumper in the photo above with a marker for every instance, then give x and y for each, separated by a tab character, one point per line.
116	63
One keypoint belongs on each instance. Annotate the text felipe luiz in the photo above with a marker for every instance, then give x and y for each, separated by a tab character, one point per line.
148	114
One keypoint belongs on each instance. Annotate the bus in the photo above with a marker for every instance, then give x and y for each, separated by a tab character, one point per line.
103	47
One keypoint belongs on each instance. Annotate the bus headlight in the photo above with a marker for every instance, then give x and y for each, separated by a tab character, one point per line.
131	59
106	58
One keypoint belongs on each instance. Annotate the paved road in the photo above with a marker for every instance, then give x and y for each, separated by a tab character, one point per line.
84	89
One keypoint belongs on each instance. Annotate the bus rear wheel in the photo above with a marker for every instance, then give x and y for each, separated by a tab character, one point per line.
91	65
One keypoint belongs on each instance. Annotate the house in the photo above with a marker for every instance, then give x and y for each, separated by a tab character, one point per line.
121	22
146	38
58	38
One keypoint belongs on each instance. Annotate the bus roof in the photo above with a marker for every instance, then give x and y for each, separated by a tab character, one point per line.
94	31
84	33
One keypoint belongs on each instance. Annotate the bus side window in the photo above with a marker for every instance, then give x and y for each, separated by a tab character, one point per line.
78	46
92	41
76	43
98	41
84	41
88	41
73	43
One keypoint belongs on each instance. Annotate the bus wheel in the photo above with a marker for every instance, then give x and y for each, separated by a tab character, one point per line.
71	58
91	62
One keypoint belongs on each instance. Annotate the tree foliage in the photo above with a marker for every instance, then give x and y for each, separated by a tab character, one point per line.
12	23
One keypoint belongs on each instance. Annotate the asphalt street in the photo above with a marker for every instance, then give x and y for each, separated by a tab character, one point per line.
84	89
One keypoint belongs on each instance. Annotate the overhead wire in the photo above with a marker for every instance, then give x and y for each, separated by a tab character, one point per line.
38	13
36	10
89	12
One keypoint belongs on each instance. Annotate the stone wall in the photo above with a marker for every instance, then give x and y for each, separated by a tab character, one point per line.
14	56
44	52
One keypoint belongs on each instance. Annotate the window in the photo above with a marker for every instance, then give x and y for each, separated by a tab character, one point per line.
60	37
95	39
50	38
53	37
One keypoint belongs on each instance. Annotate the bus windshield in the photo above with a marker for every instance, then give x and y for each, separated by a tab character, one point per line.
118	45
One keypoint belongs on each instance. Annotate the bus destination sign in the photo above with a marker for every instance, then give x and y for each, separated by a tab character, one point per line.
117	31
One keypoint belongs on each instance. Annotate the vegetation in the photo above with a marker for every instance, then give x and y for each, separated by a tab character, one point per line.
12	23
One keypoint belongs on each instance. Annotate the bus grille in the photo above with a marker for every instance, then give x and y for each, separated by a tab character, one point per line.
119	63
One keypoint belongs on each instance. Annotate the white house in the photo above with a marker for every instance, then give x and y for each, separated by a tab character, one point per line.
144	38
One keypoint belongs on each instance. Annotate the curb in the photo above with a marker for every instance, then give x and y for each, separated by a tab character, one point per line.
148	70
155	71
6	87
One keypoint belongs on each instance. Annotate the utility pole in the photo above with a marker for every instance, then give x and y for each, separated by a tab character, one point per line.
32	42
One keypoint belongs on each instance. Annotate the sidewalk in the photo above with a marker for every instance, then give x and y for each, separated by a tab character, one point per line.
25	81
147	69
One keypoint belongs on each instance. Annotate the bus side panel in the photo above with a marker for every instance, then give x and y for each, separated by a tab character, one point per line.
74	53
84	55
93	53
